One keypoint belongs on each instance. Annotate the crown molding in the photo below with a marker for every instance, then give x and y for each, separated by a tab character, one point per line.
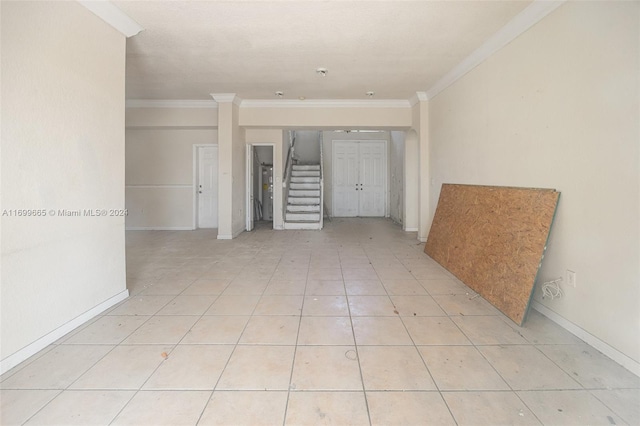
326	103
418	97
113	16
530	16
226	97
170	103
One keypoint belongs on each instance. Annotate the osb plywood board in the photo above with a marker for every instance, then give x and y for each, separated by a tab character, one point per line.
493	239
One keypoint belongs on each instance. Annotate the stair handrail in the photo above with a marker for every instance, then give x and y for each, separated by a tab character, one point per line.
321	207
286	178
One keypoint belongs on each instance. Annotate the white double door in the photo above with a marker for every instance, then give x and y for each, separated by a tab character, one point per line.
359	178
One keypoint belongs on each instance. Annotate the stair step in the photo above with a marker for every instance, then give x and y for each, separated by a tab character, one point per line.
305	179
302	225
297	217
304	200
298	208
311	186
310	173
304	193
306	167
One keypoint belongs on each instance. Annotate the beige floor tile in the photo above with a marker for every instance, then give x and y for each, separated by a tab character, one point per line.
82	408
408	408
158	408
569	408
421	306
488	330
541	330
371	306
463	304
624	402
461	368
327	274
162	330
206	287
191	367
445	286
394	368
108	329
488	408
271	330
324	287
58	368
246	287
168	287
17	406
333	306
327	408
380	331
428	273
188	305
325	331
255	367
404	287
279	305
526	368
434	331
359	274
394	274
590	368
365	288
216	330
245	408
233	305
326	368
141	305
286	288
125	367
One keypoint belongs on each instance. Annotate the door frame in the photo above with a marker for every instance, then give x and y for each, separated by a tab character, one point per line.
386	171
196	169
249	183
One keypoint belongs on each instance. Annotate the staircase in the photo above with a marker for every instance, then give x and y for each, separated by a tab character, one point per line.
303	201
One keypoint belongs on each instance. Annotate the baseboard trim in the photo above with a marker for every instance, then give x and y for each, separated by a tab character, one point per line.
422	239
16	358
159	228
410	229
589	338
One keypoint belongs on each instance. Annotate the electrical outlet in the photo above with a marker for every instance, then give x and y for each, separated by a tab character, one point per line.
571	278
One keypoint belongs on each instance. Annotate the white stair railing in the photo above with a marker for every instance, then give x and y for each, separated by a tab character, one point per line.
321	206
286	178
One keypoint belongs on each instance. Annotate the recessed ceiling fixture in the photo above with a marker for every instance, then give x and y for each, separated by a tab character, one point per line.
370	94
302	98
322	72
279	94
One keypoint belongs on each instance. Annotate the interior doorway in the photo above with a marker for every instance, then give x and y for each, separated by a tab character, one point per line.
260	182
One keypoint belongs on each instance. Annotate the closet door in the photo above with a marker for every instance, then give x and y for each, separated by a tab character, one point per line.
359	178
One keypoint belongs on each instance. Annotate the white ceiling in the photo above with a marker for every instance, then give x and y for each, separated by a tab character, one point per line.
189	49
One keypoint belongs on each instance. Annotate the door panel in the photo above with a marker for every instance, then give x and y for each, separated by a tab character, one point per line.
207	187
345	178
372	179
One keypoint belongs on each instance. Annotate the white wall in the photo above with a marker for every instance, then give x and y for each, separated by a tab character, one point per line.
396	174
159	175
558	108
63	85
307	146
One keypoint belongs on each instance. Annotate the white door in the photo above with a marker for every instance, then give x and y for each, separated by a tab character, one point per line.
207	187
345	179
250	203
359	178
372	178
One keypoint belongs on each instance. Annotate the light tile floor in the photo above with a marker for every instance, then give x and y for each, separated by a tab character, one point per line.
351	325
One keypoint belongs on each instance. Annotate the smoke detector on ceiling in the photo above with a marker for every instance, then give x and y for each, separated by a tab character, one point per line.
279	94
322	72
370	94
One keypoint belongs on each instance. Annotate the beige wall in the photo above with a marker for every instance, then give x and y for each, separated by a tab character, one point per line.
558	108
396	174
63	82
159	174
